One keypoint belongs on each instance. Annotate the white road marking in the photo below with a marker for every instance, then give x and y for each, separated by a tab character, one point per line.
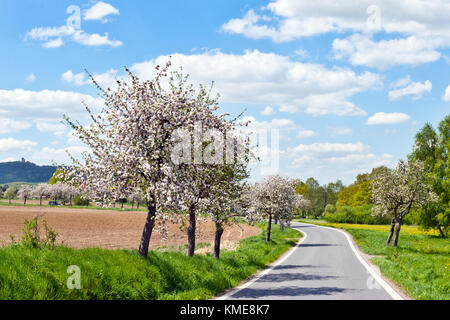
265	271
372	272
369	268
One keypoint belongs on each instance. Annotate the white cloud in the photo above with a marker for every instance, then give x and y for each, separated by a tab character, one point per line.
305	133
268	111
414	89
48	155
99	11
45	105
30	78
11	144
446	96
325	147
10	125
95	39
388	118
341	131
361	50
331	161
56	43
418	29
269	78
106	79
55	128
53	37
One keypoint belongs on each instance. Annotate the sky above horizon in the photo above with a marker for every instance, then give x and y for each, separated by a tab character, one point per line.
346	84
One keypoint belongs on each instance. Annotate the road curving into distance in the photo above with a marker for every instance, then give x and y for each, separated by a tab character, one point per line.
323	265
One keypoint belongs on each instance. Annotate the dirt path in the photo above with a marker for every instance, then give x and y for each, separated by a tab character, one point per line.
82	228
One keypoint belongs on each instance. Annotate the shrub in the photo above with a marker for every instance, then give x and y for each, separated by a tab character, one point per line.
360	215
31	235
80	201
330	208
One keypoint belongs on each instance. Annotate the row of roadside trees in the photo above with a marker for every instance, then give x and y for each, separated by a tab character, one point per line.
57	192
164	141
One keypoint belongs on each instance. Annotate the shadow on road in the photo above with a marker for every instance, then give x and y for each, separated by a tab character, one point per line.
296	266
319	245
281	277
288	291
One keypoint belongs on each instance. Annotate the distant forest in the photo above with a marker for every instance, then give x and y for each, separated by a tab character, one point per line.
24	171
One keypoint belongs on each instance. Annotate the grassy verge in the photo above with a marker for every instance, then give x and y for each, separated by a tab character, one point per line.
122	274
117	208
420	264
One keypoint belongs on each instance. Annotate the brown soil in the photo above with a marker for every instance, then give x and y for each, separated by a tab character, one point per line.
82	228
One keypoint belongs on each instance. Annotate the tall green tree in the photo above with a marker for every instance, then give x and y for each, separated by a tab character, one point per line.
432	148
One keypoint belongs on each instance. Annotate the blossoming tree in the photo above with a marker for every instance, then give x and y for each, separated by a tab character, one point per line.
25	192
396	191
133	139
274	198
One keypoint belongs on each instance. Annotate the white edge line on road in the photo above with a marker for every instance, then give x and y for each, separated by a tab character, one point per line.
369	268
265	271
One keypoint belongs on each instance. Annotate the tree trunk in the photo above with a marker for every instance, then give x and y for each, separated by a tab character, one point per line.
24	201
397	232
391	231
40	201
276	221
191	231
148	228
217	238
441	232
138	205
268	228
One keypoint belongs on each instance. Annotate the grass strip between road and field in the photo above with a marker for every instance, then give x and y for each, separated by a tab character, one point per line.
123	274
92	207
420	264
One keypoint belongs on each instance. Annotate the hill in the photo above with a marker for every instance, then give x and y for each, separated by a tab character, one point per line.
24	171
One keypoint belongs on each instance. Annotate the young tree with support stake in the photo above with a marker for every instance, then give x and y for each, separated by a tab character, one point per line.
395	192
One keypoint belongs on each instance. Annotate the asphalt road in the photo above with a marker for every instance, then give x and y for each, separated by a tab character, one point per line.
323	266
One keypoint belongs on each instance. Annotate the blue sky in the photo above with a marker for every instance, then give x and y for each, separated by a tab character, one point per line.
346	87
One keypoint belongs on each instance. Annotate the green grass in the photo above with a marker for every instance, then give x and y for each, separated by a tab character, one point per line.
117	208
420	264
123	274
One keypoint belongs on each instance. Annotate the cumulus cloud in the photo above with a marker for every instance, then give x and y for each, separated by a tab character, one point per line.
11	144
268	111
53	37
305	133
410	88
269	78
331	161
361	50
418	29
56	128
388	118
30	78
45	104
48	155
106	79
446	96
341	131
99	11
10	125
